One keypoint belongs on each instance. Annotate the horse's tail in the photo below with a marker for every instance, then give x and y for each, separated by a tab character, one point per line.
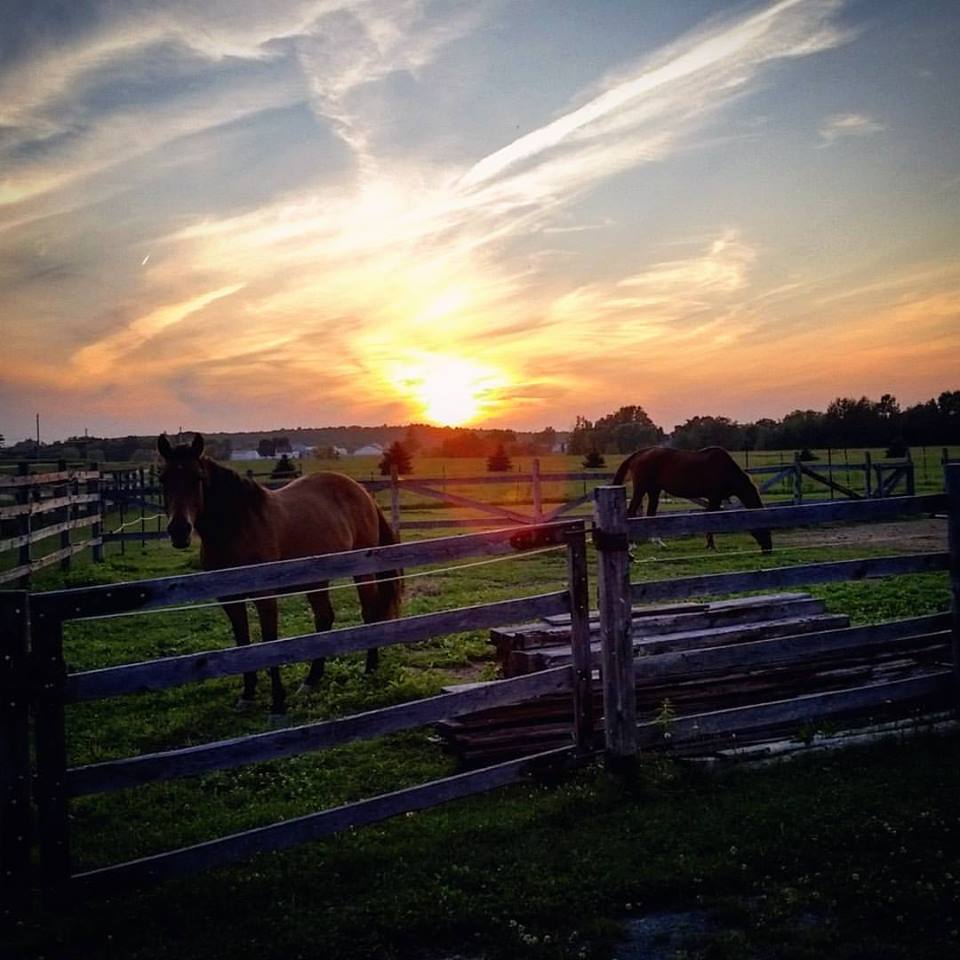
624	467
390	582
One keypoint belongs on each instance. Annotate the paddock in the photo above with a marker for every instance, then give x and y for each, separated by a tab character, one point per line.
37	781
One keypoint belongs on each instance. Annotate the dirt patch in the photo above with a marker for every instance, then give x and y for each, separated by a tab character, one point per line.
903	536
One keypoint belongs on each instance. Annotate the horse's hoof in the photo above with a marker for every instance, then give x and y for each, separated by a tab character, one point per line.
243	705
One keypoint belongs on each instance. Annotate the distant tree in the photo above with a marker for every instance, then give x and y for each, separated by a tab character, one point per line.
267	447
464	443
581	437
806	455
625	430
284	468
498	461
699	432
395	455
594	460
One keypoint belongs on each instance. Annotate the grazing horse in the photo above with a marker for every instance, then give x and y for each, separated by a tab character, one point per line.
240	522
710	473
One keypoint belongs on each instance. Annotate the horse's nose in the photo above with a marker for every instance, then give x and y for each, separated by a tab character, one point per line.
179	530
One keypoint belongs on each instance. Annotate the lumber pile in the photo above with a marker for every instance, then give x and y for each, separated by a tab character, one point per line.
711	636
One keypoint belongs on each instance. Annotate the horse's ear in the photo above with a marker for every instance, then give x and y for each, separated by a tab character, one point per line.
163	446
196	446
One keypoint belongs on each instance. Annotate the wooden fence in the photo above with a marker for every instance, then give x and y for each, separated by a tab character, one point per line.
882	478
33	678
45	505
613	533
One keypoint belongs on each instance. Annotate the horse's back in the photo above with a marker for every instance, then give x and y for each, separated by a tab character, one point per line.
686	473
324	513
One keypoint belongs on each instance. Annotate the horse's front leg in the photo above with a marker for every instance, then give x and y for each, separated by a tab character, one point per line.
714	503
653	501
237	614
269	623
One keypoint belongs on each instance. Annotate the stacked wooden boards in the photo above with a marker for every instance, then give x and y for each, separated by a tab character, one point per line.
697	658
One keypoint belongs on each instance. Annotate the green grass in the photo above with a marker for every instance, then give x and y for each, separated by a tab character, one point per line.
535	871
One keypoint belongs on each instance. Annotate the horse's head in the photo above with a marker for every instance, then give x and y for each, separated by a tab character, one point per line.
181	478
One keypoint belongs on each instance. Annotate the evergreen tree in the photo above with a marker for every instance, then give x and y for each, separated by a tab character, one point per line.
396	455
498	461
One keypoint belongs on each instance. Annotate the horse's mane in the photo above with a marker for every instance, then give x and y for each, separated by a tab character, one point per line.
229	493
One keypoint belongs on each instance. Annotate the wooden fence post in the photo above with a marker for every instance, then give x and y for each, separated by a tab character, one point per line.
50	790
537	496
578	591
96	531
15	829
66	514
867	474
24	495
143	511
951	478
911	476
613	586
797	478
395	501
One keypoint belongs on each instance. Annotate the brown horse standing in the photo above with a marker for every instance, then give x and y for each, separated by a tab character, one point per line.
240	523
710	473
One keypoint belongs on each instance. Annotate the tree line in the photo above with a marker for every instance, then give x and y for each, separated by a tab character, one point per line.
847	422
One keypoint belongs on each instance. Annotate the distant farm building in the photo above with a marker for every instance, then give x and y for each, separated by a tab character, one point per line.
370	450
244	455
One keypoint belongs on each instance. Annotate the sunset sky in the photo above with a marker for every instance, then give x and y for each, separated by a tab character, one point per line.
235	215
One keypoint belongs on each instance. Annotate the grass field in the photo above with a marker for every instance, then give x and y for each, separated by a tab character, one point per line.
852	856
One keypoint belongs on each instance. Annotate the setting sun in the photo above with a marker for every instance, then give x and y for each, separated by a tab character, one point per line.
450	391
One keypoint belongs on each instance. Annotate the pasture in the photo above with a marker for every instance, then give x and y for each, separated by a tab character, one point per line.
541	870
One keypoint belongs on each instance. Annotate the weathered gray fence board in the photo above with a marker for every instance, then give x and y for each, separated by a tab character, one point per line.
782	577
192	667
799	710
35	565
725	521
44	532
279	836
655	644
613	585
39	479
289	575
44	506
225	754
794	649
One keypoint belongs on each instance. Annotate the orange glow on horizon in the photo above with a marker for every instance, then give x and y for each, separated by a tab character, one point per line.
449	391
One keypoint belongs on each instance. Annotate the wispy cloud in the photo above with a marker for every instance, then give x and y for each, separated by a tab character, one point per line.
842	125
